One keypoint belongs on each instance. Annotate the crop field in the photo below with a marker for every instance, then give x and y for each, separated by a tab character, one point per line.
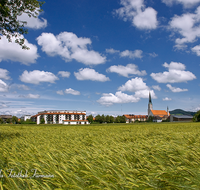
107	156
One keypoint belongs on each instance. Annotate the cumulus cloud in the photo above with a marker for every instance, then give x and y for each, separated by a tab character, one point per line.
156	87
36	76
130	69
112	51
64	74
60	92
69	47
185	3
134	85
167	99
174	89
3	86
90	74
71	91
13	51
187	26
196	50
140	16
132	54
4	74
176	73
117	98
35	23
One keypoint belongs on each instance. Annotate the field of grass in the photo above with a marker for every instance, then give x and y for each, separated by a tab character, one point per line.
110	156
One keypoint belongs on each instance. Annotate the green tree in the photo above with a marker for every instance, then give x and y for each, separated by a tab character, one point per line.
117	119
42	121
122	119
8	120
10	26
112	119
150	119
107	119
1	120
90	118
14	119
197	116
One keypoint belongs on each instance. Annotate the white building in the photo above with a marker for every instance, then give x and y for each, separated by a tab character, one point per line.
61	117
25	117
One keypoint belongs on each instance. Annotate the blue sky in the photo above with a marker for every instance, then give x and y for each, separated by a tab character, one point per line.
104	57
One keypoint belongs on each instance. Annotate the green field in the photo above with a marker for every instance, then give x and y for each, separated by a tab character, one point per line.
115	156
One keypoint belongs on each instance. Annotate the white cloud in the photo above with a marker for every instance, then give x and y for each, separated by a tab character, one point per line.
174	89
32	96
13	51
23	87
3	86
35	23
60	92
90	74
64	74
69	46
156	87
133	85
4	74
132	54
112	51
131	69
196	50
117	98
36	76
140	16
187	25
185	3
153	54
136	85
175	74
167	99
71	91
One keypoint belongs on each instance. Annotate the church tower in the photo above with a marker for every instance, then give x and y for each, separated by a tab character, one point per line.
150	106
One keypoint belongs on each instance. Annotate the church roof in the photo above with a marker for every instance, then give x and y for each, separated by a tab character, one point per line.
160	113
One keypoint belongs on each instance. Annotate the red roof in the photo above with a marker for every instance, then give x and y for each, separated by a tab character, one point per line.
136	116
160	113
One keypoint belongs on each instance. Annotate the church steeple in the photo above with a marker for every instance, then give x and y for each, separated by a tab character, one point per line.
150	106
150	102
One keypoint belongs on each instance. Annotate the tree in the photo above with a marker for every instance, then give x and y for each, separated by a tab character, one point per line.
10	26
107	119
14	119
8	120
42	121
1	120
90	118
197	116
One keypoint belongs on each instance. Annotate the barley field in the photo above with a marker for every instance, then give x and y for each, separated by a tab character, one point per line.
107	156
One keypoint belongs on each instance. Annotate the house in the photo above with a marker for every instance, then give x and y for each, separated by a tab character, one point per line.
25	117
158	115
132	118
61	117
181	118
6	117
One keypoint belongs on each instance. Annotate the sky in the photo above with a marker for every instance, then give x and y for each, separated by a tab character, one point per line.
104	57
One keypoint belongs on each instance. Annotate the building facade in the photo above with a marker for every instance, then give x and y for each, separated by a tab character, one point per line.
132	118
25	117
66	117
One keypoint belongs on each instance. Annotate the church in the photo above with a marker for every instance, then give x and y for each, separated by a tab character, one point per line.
158	115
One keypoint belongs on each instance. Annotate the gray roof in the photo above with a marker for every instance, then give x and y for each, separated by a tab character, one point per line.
183	116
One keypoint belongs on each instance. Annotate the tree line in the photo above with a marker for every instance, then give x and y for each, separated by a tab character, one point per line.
106	119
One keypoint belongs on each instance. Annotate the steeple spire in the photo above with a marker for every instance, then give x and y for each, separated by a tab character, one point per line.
150	102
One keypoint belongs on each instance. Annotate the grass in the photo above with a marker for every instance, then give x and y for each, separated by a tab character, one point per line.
110	156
